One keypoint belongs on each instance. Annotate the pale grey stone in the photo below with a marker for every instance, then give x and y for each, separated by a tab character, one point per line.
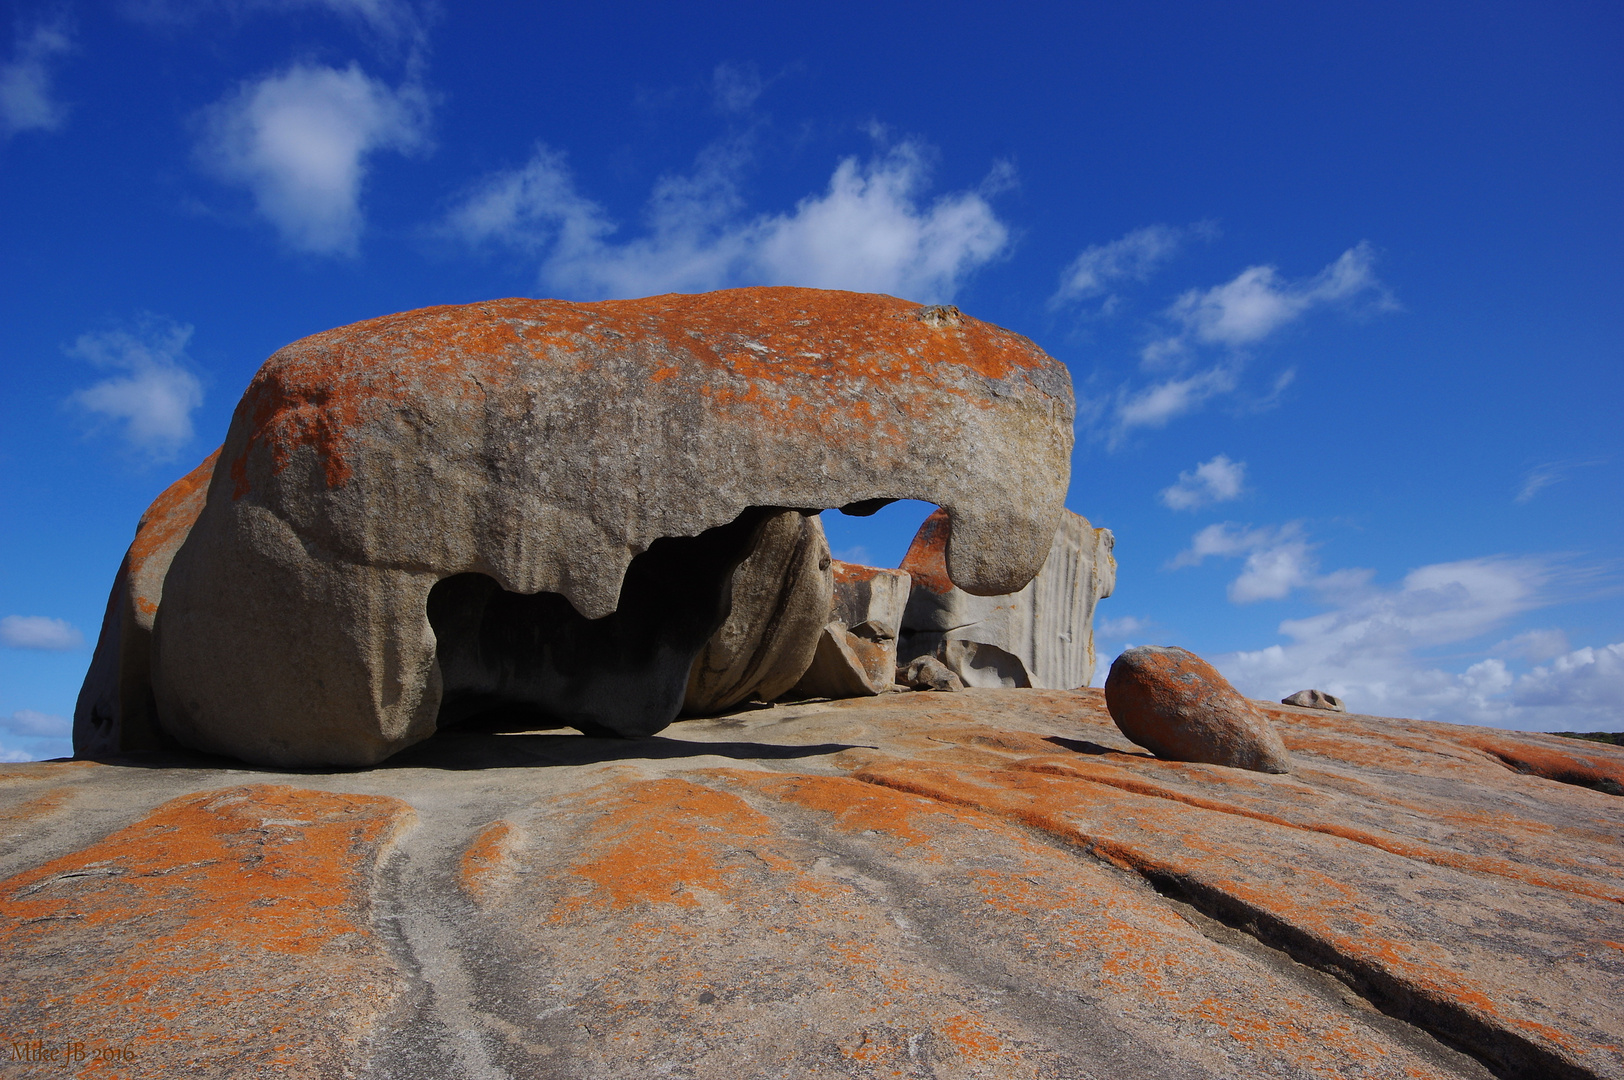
1041	635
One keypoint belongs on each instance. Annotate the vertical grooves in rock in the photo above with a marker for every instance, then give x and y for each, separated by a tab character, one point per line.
1502	1052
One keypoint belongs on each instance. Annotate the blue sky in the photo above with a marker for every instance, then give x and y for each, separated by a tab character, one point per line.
1338	284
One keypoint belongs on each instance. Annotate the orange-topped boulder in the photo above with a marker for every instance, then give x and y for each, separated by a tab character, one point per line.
1179	707
541	504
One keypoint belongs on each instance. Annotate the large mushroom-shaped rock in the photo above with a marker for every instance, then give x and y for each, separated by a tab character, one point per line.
1178	707
116	713
781	597
575	484
857	650
1041	635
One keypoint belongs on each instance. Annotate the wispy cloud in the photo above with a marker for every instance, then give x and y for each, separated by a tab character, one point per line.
1215	481
388	20
1257	302
735	87
870	230
35	736
1133	257
1209	333
1278	559
39	632
1154	406
1542	476
27	102
301	141
1370	650
153	394
1121	627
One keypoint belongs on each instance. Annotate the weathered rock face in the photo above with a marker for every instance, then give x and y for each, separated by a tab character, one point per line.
857	651
116	712
1041	635
990	884
533	462
1179	707
1314	699
780	603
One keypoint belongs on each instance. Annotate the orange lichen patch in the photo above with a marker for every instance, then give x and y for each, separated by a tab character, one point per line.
926	560
36	771
974	1042
1438	856
848	573
1080	924
488	858
1358	908
240	911
855	806
41	805
658	841
1591	768
770	351
171	516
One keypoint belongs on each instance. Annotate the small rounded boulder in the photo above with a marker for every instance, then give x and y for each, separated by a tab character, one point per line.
1177	706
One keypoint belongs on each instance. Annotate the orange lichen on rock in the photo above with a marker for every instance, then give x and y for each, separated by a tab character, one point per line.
167	521
228	927
926	560
30	810
657	841
488	858
1365	907
1588	764
755	339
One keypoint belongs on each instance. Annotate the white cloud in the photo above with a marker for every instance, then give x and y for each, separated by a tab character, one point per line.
1583	686
1535	646
300	141
1121	627
1278	560
1155	405
1230	317
1540	477
1370	650
1133	257
1215	481
39	632
155	394
26	100
1257	302
39	736
868	231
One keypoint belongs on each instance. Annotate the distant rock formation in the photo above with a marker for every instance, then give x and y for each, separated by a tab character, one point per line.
534	504
1177	706
1041	635
1314	699
857	649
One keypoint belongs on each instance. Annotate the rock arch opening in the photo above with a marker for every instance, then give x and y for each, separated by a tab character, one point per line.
514	659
